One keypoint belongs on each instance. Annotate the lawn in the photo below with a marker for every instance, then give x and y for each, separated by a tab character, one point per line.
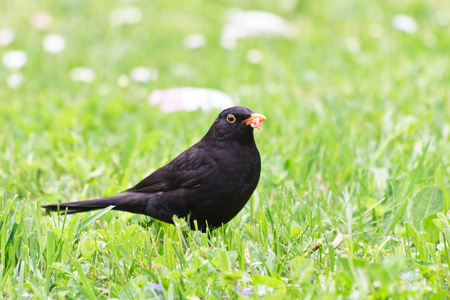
356	144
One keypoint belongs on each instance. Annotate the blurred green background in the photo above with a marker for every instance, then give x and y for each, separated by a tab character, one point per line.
356	141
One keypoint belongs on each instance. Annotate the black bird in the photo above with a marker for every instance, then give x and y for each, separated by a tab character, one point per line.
210	182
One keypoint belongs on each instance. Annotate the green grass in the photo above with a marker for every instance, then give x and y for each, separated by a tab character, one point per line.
355	143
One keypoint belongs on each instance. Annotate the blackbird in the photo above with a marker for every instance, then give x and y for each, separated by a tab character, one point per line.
210	182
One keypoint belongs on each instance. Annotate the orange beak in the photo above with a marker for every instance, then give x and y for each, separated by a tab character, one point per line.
255	121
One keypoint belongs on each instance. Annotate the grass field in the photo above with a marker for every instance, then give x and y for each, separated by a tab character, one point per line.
356	143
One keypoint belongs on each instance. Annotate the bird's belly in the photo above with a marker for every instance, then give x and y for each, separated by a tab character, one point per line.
224	202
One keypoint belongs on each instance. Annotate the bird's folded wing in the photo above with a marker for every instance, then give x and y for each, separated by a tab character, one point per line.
190	169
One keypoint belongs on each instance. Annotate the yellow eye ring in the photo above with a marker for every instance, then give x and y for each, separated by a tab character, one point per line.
231	119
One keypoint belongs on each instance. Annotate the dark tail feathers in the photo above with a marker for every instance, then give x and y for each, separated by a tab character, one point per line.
131	202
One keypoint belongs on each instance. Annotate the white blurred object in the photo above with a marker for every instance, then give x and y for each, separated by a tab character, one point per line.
242	24
123	81
183	70
404	23
125	15
443	18
353	45
340	238
15	59
194	41
6	36
254	56
189	98
54	43
41	20
144	74
82	74
14	80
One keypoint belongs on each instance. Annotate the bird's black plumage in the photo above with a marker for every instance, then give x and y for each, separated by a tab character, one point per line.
210	182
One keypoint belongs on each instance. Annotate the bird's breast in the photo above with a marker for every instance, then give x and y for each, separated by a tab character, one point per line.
234	180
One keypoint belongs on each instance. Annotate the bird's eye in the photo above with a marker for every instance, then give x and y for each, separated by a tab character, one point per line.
231	119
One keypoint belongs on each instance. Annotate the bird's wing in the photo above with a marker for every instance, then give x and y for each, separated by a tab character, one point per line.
190	169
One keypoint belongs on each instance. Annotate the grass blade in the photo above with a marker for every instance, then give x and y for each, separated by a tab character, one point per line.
84	280
92	218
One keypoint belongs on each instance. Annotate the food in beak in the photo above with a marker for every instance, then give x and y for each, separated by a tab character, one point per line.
255	121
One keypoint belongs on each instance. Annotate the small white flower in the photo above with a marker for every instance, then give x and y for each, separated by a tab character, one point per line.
54	43
194	41
404	23
82	74
41	20
254	56
144	74
15	59
243	24
6	36
14	80
132	15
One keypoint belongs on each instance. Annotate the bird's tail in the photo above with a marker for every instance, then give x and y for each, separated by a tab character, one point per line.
131	202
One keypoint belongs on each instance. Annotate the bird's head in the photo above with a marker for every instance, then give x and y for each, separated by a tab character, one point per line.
236	123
